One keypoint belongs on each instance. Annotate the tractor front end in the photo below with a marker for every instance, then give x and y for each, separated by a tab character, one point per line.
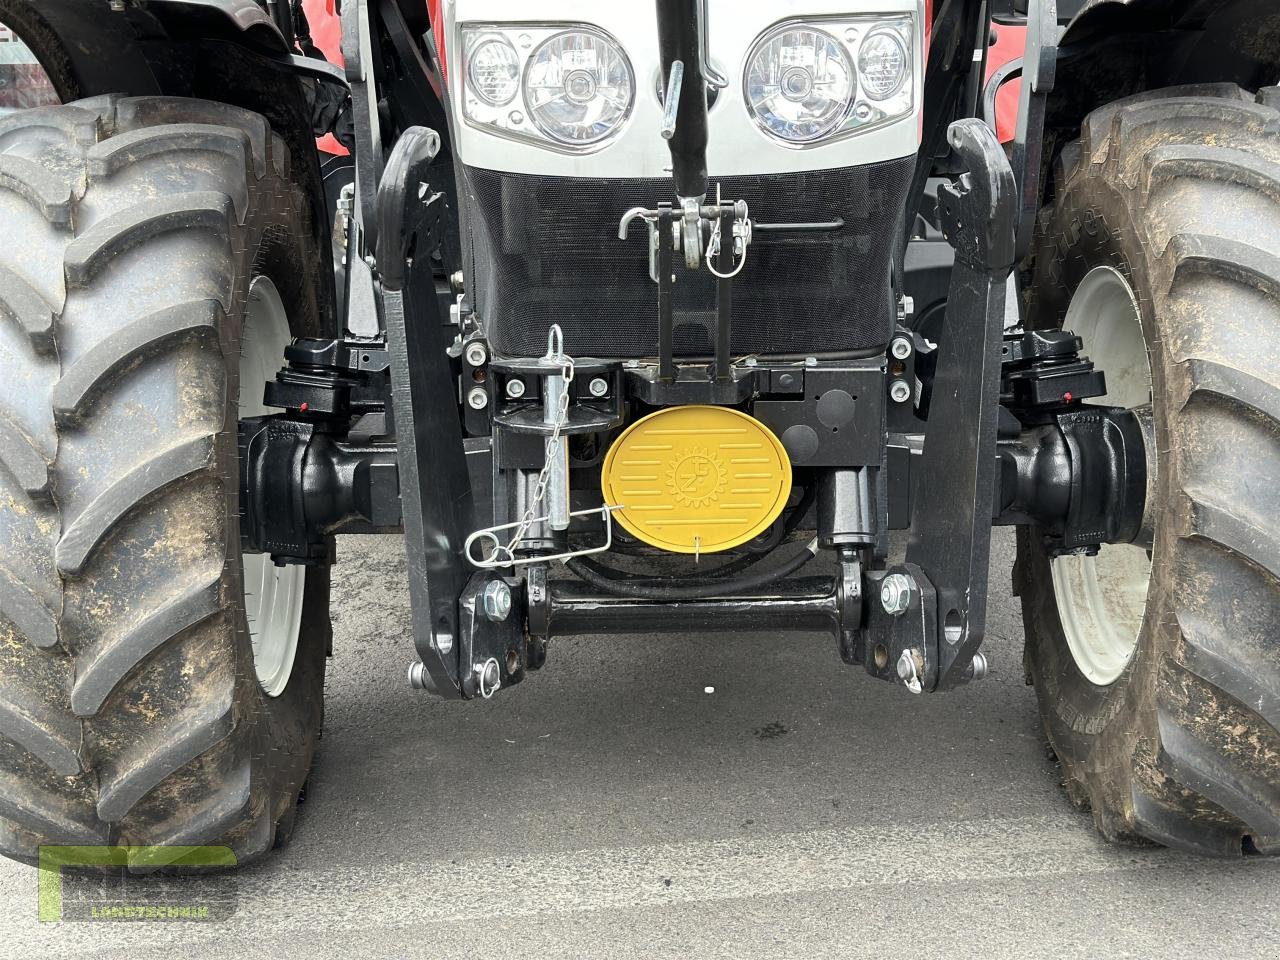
679	318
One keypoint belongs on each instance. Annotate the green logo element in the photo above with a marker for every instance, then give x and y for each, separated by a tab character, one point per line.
53	859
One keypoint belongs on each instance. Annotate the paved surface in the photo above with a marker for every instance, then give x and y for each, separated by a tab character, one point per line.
609	807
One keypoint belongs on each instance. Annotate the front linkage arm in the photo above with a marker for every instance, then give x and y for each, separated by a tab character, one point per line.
925	619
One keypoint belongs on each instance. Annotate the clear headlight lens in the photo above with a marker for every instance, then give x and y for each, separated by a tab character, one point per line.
493	70
579	87
577	83
882	63
799	83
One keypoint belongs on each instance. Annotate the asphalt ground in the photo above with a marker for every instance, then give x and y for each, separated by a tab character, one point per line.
611	807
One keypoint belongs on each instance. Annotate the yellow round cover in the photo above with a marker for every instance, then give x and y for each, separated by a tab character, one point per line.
697	479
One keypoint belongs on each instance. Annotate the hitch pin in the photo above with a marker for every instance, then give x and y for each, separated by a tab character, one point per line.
671	103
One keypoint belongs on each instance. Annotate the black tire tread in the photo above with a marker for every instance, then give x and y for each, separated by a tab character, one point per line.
1188	776
107	753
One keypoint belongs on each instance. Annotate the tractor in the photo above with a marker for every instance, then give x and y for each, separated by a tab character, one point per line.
684	316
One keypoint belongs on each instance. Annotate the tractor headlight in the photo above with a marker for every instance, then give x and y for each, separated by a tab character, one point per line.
579	87
802	87
800	83
882	64
577	83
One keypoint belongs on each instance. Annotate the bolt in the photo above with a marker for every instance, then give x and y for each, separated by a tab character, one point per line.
477	353
900	391
751	361
633	364
457	279
810	361
478	399
598	387
900	348
979	668
906	666
496	601
488	677
896	591
515	389
418	679
117	6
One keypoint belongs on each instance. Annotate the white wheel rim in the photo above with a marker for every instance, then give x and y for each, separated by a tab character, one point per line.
272	595
1102	599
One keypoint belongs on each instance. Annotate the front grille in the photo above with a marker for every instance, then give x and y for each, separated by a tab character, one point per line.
545	250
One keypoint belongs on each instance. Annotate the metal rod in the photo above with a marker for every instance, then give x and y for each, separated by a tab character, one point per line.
671	102
557	454
808	603
724	296
822	226
666	321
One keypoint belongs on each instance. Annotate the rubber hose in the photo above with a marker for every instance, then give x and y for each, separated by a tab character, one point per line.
590	572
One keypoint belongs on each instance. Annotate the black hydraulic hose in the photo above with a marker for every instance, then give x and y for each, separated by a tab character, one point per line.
794	519
591	573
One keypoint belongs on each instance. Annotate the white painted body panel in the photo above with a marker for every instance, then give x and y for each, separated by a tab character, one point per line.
736	145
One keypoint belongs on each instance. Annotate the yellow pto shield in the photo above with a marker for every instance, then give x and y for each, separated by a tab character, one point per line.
697	479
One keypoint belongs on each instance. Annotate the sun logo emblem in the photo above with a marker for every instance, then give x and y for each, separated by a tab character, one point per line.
696	478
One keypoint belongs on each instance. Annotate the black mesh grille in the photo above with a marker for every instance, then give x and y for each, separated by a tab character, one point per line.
545	250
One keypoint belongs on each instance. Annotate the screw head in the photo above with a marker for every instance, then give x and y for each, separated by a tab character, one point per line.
810	361
900	391
598	387
900	348
515	389
477	353
980	667
478	398
895	593
456	279
496	601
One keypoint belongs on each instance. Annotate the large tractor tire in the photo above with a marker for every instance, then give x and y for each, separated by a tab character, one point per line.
156	688
1158	671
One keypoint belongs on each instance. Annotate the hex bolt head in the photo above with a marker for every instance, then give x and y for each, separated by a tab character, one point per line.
900	391
598	387
896	591
477	353
478	398
900	348
515	389
496	601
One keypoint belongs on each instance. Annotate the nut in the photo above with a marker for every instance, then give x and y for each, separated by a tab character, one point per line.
496	601
477	353
896	592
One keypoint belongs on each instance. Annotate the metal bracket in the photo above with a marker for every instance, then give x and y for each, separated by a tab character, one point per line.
950	544
435	487
1039	64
